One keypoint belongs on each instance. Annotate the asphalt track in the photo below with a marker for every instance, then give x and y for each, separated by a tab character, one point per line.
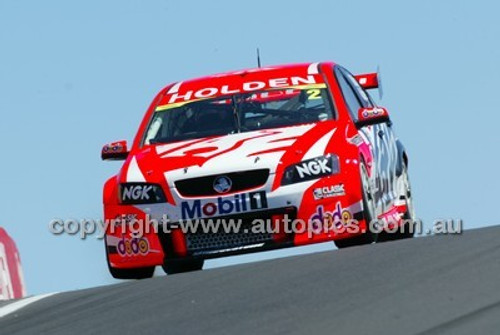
431	285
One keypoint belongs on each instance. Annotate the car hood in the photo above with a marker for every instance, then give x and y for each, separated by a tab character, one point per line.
263	149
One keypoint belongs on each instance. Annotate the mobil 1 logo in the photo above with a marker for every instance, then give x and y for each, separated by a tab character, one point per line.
258	200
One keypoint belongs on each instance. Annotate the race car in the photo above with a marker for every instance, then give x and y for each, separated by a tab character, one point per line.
11	274
299	151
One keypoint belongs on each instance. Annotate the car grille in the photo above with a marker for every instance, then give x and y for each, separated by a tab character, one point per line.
204	186
205	242
197	243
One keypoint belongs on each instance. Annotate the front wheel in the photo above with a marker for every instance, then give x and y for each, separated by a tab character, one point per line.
181	266
132	273
135	273
368	236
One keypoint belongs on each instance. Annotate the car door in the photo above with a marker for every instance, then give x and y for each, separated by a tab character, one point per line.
380	136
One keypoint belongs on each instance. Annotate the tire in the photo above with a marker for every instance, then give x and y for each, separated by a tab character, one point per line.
135	273
368	236
405	231
181	266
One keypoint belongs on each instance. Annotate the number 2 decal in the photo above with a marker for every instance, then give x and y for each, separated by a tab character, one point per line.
313	94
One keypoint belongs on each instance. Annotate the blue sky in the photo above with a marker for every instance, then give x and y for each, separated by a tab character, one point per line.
74	76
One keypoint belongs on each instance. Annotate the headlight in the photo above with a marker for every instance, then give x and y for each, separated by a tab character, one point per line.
311	169
141	193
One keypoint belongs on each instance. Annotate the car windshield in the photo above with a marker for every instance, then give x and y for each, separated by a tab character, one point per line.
239	113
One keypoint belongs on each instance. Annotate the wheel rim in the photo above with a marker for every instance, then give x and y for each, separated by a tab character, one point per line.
410	210
367	194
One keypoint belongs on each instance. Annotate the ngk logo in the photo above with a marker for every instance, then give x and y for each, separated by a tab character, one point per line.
137	192
313	168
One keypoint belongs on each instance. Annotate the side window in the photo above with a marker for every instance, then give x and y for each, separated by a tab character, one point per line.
350	96
362	95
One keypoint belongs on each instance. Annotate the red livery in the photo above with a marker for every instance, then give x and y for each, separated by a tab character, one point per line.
11	275
300	152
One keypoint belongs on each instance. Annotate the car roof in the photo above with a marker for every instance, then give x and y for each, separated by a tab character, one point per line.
264	71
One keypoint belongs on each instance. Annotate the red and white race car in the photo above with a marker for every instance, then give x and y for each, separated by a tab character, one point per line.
11	273
299	151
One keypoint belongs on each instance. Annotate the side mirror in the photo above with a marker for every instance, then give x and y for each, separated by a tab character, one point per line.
370	116
116	151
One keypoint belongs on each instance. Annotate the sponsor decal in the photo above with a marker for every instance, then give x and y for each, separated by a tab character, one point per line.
136	192
133	247
114	148
222	184
338	218
238	203
356	140
372	112
313	168
329	191
249	86
141	193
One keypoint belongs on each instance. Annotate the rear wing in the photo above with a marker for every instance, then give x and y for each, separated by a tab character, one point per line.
370	81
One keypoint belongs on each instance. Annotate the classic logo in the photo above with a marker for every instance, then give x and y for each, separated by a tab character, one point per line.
222	184
329	191
314	167
224	206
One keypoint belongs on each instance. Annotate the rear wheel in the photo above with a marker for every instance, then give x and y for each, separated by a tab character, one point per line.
181	266
368	236
406	230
